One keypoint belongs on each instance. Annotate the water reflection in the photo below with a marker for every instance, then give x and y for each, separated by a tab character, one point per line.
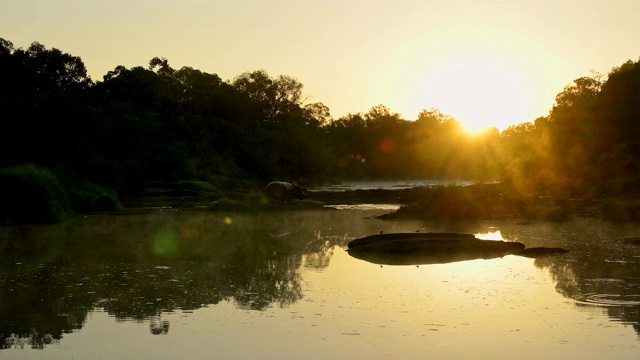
143	266
139	266
601	269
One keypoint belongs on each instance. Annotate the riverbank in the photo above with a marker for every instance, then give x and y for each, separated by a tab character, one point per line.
429	200
444	202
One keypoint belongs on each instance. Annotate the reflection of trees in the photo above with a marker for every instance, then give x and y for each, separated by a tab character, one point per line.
601	275
34	340
157	326
320	249
54	275
278	282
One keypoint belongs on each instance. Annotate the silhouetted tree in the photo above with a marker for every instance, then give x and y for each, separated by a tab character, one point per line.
159	123
271	96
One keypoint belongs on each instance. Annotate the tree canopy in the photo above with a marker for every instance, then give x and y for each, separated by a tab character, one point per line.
158	123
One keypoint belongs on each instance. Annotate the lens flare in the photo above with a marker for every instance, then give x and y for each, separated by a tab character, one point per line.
166	241
228	220
387	146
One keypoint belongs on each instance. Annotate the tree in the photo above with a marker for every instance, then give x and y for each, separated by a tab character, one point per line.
272	96
163	66
619	120
6	47
576	137
582	91
380	112
42	95
319	112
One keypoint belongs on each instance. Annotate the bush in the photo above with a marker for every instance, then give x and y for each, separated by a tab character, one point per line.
30	194
85	196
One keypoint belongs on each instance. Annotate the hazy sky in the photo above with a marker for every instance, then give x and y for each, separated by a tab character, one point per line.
484	62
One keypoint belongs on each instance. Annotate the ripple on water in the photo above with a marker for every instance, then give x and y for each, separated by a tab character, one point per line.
609	300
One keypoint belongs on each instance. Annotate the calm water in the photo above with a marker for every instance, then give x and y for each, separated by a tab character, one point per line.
196	284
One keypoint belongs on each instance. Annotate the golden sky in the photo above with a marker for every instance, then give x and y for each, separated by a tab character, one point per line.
487	63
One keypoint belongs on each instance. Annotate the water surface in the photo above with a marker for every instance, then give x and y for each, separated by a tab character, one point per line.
167	284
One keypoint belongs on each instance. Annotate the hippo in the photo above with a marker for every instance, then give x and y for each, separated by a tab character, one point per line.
284	191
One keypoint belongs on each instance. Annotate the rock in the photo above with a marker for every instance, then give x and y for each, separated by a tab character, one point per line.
437	248
428	248
406	236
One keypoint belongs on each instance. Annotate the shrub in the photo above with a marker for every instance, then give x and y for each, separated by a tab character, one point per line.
86	196
31	194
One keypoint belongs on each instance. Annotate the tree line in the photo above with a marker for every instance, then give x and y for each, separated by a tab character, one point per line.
155	123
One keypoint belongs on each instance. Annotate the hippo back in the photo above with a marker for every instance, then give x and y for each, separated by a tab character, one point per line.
284	191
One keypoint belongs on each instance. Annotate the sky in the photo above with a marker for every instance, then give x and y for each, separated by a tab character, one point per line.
486	63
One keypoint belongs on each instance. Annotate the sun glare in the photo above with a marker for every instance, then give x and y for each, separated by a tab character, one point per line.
491	234
479	92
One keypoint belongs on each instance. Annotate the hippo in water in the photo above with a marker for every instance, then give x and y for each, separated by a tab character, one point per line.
284	191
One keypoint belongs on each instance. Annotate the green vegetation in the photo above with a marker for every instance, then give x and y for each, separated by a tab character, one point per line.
31	194
189	130
85	196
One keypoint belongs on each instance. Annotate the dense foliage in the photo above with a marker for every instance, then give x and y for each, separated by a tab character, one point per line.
159	124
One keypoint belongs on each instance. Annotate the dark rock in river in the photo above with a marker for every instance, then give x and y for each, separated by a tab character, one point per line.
437	248
406	236
428	248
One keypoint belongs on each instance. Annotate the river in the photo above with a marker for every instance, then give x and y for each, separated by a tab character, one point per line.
196	284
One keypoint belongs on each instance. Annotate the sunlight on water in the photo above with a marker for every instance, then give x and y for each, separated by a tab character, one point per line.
456	310
280	285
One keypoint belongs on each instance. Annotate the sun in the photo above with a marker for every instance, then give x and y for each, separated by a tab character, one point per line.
480	92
